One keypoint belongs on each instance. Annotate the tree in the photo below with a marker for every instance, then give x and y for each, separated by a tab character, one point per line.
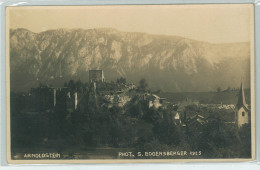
229	88
79	85
121	80
142	85
72	85
166	131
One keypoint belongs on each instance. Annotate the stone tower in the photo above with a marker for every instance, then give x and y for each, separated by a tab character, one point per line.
96	76
242	110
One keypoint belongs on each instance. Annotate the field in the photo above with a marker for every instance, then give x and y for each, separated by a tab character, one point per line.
229	97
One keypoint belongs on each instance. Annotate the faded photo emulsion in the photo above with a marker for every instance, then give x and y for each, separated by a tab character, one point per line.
131	83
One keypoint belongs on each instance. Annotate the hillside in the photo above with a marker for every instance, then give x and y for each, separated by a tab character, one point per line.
169	63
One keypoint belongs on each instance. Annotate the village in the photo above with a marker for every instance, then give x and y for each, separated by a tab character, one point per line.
46	98
124	116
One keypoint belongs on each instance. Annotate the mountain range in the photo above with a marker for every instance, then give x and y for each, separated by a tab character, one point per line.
168	63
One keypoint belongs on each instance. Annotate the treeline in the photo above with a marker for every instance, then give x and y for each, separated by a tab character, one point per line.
134	126
229	89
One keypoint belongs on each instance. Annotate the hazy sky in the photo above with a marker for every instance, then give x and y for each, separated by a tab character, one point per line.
211	23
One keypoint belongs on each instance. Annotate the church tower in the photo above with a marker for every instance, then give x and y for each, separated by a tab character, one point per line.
243	113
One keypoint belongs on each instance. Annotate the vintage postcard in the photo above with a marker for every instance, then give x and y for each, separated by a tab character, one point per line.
130	83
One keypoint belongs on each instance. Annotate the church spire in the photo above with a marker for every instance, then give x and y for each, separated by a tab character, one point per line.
241	97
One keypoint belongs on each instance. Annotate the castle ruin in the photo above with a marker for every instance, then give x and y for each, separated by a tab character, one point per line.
96	76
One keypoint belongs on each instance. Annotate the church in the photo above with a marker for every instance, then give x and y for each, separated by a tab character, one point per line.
242	109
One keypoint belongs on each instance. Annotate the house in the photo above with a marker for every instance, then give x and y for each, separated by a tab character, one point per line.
177	118
155	101
242	110
195	124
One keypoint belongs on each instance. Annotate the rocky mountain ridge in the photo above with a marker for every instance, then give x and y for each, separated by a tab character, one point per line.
168	63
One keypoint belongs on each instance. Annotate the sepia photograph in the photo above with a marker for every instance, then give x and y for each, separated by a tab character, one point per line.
130	83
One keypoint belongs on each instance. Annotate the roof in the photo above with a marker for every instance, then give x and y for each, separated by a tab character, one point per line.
241	101
245	107
197	118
